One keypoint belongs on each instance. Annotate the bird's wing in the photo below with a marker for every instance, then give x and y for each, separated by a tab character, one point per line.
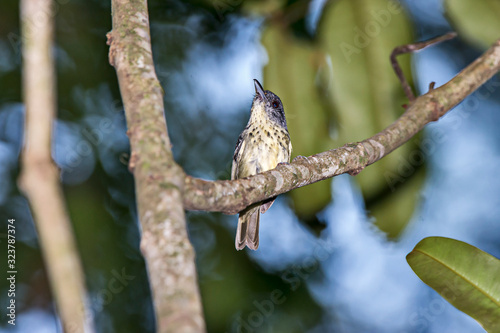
240	146
289	149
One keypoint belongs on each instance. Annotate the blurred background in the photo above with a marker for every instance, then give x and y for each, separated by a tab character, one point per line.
332	255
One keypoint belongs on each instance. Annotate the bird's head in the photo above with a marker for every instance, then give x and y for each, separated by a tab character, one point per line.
270	103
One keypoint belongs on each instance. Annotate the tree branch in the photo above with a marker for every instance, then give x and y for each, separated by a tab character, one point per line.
408	48
39	178
231	197
159	181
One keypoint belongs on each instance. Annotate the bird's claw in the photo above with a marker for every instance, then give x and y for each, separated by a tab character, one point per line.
299	157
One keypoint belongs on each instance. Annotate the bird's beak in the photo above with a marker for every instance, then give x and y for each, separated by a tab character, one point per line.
259	90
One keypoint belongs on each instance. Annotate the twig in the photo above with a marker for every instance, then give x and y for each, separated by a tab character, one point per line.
159	181
232	196
412	48
39	179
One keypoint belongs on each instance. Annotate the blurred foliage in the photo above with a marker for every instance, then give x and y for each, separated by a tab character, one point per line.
291	74
332	95
237	292
263	7
392	208
366	96
475	21
102	208
463	274
339	87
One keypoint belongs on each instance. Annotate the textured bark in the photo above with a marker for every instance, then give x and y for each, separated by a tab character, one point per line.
231	197
159	181
39	178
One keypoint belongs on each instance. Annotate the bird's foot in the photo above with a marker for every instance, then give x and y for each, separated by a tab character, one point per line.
299	157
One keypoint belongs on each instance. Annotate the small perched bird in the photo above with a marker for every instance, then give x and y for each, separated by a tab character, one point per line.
263	144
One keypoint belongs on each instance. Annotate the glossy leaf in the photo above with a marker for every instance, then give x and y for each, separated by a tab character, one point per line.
361	87
464	275
291	74
476	21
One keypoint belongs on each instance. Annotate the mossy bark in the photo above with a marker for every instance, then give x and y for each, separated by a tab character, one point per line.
159	181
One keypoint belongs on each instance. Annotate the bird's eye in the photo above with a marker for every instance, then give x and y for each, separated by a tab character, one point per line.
275	104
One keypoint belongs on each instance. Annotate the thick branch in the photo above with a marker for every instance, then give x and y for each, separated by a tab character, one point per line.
159	181
40	177
232	196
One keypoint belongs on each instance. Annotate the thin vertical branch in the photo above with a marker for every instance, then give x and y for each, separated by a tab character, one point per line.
159	181
409	48
40	177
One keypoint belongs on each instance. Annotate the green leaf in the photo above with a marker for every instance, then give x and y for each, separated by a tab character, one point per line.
475	21
465	276
364	93
291	74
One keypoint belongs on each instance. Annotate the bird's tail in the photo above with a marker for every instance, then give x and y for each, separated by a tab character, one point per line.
248	228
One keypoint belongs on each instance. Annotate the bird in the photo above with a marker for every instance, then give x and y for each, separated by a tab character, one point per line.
261	146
